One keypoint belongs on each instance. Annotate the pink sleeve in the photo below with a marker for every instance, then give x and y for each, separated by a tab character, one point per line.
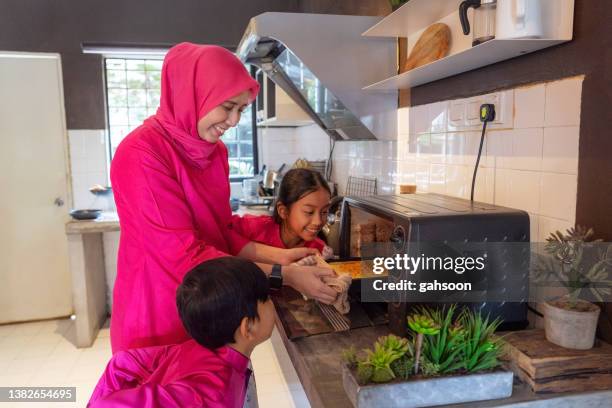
126	370
235	239
126	382
158	206
246	226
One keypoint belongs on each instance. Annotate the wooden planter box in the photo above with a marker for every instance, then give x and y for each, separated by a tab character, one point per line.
428	392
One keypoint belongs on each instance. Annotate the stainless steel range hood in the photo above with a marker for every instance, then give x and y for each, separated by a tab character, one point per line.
322	62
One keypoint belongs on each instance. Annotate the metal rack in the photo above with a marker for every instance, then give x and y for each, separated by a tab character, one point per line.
359	186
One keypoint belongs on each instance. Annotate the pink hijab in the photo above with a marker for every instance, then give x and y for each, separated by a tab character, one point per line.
195	80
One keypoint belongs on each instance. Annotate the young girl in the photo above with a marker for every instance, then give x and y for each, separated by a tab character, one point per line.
300	213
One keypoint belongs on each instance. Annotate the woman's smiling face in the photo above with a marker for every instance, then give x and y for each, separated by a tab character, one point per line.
227	115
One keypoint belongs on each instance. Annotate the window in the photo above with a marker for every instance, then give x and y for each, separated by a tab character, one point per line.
133	91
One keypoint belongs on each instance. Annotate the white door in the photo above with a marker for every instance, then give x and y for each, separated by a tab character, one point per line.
34	196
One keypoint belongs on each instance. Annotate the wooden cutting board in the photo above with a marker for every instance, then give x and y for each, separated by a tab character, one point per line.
433	44
547	367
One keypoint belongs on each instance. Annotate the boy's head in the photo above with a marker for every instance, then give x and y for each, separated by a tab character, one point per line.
225	301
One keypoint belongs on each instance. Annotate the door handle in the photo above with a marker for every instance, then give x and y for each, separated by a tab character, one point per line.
58	202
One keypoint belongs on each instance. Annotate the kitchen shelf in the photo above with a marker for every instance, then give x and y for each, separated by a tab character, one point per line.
411	17
481	55
416	15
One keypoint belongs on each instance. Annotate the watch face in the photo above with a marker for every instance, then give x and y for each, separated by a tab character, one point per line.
276	282
276	279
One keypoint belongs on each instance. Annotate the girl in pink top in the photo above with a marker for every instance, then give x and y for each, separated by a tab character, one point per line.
300	213
170	177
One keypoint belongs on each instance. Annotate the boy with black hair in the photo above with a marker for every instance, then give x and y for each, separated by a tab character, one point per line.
224	306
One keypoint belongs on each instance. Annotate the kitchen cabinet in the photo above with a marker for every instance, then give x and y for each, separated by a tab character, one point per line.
416	15
275	108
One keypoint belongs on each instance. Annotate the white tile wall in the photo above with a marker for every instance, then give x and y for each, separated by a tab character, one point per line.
529	159
529	106
88	164
286	145
560	149
563	101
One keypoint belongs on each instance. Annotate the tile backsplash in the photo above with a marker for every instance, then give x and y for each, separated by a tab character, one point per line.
286	145
88	163
529	159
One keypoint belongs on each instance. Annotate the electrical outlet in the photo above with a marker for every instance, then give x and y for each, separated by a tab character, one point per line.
464	114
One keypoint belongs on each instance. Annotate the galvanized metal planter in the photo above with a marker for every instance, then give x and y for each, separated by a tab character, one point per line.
428	392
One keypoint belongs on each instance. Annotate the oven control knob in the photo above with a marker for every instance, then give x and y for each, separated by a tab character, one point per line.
398	237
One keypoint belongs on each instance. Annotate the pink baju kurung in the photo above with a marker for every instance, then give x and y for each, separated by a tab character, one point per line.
172	193
182	375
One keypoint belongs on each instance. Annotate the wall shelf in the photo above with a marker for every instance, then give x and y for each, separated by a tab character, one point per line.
411	17
484	54
414	16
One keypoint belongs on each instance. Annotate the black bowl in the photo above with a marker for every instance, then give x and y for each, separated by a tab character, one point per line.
88	214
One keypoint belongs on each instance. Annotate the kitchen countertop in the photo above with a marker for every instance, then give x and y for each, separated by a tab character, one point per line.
109	221
318	364
106	222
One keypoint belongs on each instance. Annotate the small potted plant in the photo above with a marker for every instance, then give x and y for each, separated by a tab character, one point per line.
454	352
578	263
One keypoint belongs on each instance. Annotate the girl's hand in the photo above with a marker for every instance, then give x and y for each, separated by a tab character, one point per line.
288	256
310	260
307	280
327	252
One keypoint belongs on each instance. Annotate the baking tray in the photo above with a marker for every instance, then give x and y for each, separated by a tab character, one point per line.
302	318
357	267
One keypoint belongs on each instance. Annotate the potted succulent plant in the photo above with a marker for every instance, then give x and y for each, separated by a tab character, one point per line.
578	263
450	351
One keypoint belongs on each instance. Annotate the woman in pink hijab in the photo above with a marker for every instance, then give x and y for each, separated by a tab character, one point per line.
170	178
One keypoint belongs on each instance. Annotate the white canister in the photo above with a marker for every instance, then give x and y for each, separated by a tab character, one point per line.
519	19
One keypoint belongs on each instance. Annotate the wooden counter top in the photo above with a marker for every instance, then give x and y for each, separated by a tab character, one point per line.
317	361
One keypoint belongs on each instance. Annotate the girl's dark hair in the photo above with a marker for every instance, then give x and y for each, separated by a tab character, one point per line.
216	295
296	184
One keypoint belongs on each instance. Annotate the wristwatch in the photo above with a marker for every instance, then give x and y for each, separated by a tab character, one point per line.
276	278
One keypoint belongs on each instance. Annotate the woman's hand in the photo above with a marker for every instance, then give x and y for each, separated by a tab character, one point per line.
310	260
289	256
327	252
256	252
307	280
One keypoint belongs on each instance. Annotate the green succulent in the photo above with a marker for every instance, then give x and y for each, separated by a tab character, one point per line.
402	367
364	372
481	349
349	356
382	374
578	262
394	344
442	349
423	324
428	368
380	360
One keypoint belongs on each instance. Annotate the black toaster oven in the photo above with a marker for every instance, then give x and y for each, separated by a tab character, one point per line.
423	225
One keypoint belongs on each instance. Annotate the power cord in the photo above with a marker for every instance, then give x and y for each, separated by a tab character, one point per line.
487	114
329	165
